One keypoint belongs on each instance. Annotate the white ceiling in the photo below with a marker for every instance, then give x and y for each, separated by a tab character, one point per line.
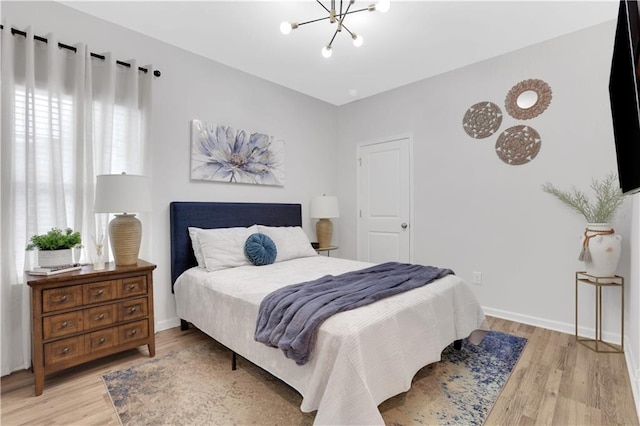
413	41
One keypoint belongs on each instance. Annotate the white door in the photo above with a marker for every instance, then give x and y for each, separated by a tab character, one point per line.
384	201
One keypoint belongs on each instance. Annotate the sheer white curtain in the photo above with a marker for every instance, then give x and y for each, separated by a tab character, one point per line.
66	117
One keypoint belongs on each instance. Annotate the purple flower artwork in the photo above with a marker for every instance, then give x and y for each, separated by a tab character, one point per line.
221	153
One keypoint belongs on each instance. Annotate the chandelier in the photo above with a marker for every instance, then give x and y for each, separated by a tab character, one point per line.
338	17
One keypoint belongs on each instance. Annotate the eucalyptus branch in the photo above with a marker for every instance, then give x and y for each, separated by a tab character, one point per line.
608	199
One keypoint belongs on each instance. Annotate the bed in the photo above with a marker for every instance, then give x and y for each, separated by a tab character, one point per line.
361	358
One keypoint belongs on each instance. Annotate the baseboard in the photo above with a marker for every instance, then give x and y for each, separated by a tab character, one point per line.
167	324
632	366
527	319
562	327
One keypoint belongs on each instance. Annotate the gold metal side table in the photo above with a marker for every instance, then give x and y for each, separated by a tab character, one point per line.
597	344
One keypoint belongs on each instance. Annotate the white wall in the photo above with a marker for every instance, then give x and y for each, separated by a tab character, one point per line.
633	322
194	87
475	213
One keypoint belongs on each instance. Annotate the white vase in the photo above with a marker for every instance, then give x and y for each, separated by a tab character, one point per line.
604	250
54	257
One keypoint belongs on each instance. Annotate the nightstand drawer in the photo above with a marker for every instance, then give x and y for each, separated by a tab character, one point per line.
133	286
102	291
62	325
57	299
132	309
63	350
133	331
100	340
100	316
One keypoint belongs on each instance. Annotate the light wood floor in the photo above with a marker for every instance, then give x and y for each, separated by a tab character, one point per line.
556	381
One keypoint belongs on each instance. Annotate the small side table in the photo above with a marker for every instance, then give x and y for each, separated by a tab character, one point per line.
597	344
327	249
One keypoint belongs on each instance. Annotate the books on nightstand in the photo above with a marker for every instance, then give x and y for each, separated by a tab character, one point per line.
52	270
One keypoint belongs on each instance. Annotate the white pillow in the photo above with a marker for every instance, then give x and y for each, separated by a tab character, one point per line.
291	241
223	248
195	243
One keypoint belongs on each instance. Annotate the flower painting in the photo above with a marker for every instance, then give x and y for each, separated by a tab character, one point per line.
221	153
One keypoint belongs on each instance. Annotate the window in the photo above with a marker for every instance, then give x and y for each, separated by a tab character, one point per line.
43	126
45	130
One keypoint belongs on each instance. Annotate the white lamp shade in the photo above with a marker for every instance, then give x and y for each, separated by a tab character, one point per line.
122	194
324	207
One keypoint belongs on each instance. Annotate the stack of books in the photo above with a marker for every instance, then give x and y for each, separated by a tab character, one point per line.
51	270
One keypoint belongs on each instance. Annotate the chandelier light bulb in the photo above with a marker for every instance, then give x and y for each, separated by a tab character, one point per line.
357	40
383	6
286	27
326	51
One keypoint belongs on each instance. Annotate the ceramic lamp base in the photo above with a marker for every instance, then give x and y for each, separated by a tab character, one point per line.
324	229
125	232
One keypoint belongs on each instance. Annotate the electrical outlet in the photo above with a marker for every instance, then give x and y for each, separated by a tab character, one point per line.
477	277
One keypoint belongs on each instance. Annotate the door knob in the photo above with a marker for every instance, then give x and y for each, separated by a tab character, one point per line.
404	226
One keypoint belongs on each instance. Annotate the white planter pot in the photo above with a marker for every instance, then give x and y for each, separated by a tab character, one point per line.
604	250
54	257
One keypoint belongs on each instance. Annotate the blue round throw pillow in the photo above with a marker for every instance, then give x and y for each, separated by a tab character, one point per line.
260	249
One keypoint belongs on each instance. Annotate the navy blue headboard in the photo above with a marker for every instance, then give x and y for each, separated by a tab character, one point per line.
220	215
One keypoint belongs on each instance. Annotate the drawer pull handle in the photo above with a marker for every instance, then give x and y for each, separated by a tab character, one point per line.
132	286
64	324
65	351
100	317
100	292
102	340
63	298
133	332
132	310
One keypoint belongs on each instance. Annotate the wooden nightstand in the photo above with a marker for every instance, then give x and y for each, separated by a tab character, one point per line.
82	315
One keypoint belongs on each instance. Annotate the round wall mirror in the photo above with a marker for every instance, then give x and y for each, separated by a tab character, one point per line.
528	99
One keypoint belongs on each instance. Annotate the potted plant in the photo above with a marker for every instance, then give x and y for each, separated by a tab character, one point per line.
600	245
54	247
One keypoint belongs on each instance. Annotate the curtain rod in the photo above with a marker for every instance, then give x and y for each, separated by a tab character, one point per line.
15	31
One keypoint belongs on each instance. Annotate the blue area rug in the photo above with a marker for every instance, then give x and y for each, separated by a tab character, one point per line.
490	364
460	389
195	386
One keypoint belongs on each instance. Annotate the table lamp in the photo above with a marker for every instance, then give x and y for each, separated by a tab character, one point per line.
323	208
123	194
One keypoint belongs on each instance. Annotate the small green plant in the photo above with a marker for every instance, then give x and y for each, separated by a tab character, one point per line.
608	199
56	239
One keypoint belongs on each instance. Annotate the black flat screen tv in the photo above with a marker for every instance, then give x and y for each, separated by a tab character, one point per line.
624	92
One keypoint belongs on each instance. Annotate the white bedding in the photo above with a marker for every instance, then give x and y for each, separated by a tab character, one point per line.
362	357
